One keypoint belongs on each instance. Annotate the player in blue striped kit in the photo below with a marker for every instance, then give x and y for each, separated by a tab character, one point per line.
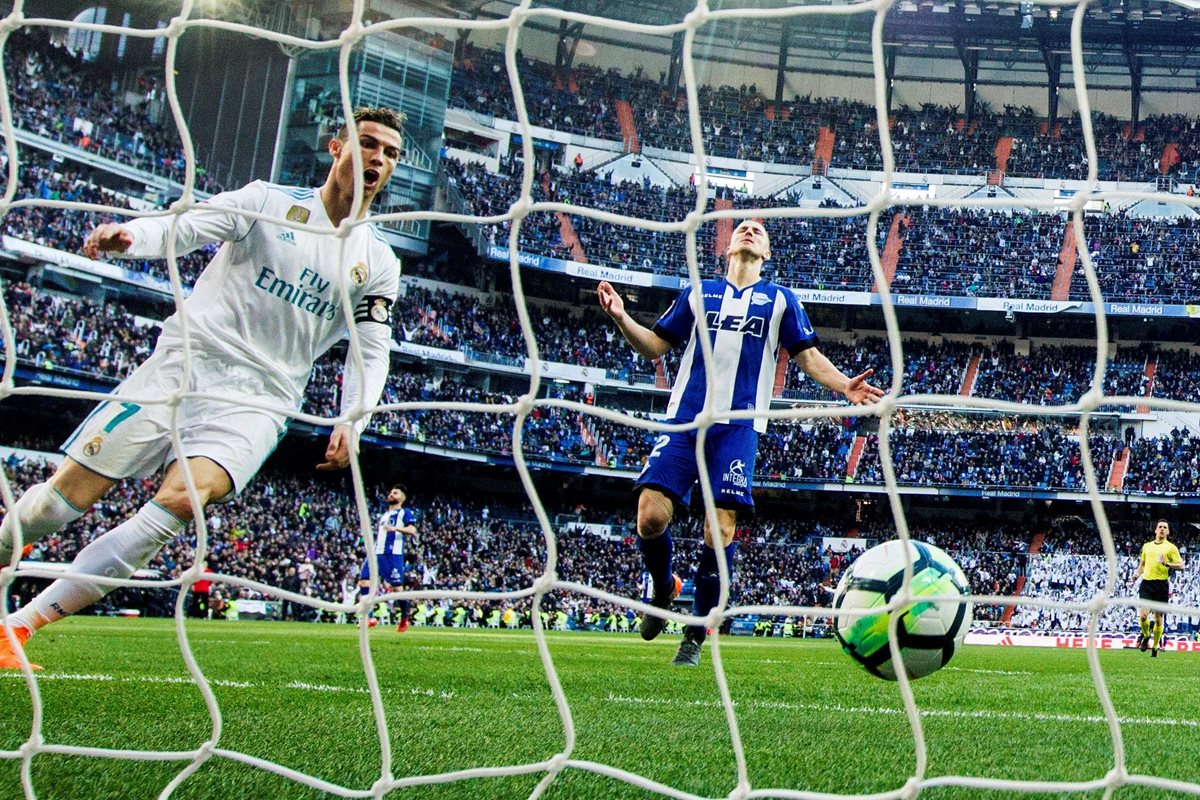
749	318
396	524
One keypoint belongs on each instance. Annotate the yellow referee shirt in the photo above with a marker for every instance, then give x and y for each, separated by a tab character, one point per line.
1154	571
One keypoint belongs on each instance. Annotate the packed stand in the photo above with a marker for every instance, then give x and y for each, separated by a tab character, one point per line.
736	123
1071	567
285	531
930	139
42	179
56	94
489	327
53	332
1056	374
1167	463
743	123
549	433
824	253
1177	375
1141	259
928	368
972	252
480	84
625	247
490	194
816	451
298	533
1041	459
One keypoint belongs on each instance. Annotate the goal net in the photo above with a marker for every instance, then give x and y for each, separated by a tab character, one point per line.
1108	777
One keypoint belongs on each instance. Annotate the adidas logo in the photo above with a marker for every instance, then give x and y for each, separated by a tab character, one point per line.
287	236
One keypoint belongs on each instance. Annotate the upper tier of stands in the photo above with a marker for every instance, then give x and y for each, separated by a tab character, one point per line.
942	251
743	123
933	251
58	95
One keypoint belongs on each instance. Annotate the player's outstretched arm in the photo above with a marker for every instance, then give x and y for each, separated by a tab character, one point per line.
646	342
214	220
107	238
821	369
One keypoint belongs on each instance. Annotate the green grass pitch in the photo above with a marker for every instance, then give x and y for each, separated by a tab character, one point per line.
810	718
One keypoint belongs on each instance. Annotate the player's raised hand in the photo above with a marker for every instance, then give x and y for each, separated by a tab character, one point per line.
858	391
107	238
337	453
610	301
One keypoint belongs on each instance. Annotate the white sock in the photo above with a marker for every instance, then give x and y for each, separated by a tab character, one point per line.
42	511
116	554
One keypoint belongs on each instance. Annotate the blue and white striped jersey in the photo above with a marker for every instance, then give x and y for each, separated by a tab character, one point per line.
747	327
392	542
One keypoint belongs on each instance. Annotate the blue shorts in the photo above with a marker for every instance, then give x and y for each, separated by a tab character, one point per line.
730	451
391	569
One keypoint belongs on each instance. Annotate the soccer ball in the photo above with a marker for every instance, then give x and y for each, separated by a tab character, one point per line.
928	633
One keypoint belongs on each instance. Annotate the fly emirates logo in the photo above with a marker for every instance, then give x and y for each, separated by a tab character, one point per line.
307	293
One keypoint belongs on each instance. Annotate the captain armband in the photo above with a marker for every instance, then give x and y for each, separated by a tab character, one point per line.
374	308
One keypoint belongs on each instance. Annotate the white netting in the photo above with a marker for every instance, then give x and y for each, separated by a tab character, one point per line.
1115	776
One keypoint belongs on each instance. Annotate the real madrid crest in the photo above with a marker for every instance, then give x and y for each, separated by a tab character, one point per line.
359	273
379	310
92	448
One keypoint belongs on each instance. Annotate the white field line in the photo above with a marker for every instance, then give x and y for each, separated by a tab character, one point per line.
773	705
828	708
988	671
450	649
440	694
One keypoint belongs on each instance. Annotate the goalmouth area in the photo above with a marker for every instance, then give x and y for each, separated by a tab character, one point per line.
810	719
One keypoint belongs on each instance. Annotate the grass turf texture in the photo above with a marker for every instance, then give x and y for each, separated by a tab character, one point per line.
810	718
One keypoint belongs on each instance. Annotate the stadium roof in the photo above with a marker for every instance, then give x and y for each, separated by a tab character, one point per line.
1162	38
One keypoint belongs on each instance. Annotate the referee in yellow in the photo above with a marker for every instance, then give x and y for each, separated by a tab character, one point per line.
1159	557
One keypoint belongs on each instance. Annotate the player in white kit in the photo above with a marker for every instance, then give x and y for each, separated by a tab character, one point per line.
266	307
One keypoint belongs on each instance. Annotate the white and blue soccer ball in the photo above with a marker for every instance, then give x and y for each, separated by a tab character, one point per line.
928	633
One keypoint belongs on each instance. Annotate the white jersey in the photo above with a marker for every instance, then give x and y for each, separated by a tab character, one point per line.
269	303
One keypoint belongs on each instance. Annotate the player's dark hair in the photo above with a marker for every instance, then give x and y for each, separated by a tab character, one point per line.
1165	522
384	116
401	487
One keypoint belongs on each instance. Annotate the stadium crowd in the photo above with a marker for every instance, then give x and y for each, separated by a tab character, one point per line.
1046	458
56	329
944	251
57	332
55	93
41	179
288	531
1071	567
53	331
743	123
1142	259
974	252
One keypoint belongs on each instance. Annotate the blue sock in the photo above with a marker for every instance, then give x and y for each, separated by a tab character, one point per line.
707	587
404	609
656	555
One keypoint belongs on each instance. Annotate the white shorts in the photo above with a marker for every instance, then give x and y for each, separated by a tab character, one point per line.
127	439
